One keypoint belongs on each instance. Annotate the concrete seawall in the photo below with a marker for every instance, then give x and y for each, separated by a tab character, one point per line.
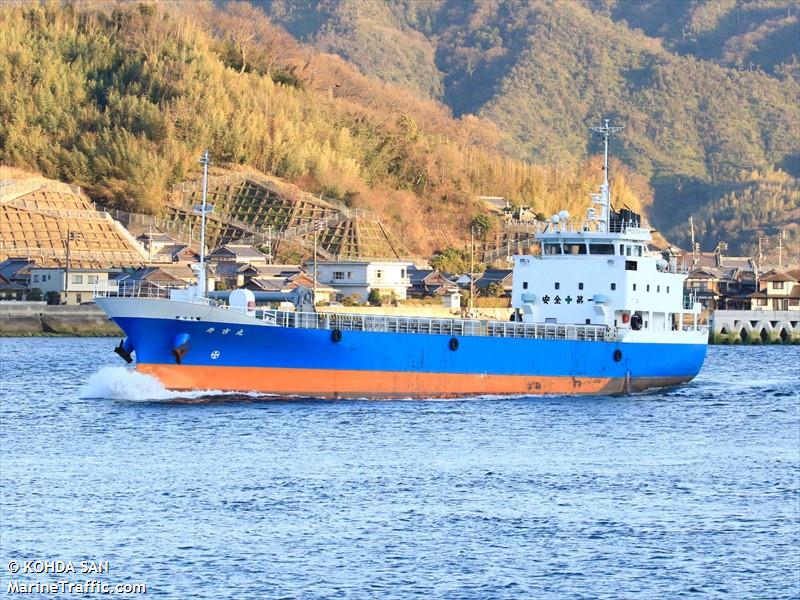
755	327
40	319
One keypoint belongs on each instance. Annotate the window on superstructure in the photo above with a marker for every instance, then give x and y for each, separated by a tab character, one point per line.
524	285
575	248
637	250
558	285
648	287
658	289
634	287
580	286
613	286
552	248
631	265
601	248
668	289
622	249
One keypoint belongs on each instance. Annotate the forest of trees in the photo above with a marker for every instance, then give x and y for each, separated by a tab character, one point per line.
121	99
708	90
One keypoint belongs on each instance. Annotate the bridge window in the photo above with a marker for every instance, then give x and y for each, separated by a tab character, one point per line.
601	248
579	248
552	248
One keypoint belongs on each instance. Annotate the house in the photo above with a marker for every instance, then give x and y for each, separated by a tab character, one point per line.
777	291
150	280
154	241
238	253
494	279
76	285
429	282
17	270
10	290
231	275
284	278
186	272
359	278
175	253
704	284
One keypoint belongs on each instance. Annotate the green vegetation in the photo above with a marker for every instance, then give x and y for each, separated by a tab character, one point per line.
121	101
454	260
707	89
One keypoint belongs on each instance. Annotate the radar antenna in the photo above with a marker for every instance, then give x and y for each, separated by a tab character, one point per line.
605	195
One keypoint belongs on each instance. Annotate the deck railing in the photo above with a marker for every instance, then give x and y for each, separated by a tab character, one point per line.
453	327
382	323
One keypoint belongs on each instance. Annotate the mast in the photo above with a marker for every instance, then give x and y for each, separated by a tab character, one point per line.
201	273
605	194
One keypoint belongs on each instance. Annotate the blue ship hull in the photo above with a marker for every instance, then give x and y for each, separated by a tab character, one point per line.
317	362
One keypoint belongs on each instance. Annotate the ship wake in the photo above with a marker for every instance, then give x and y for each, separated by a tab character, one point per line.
124	383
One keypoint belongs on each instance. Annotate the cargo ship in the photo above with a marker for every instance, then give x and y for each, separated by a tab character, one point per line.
594	312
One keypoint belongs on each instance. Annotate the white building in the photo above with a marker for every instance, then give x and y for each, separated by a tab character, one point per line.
75	287
361	277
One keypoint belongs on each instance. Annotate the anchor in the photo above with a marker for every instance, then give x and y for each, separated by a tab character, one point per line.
124	350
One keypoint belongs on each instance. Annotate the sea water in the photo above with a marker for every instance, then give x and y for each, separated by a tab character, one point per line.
689	492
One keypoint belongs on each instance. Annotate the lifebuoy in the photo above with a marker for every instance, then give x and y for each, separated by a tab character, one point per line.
625	317
336	335
453	344
636	322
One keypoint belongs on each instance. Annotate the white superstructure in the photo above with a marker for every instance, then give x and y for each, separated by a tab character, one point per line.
600	272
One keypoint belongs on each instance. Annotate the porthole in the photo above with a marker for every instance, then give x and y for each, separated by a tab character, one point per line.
453	344
336	335
617	355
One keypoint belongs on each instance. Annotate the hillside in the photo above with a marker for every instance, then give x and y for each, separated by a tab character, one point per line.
708	91
122	99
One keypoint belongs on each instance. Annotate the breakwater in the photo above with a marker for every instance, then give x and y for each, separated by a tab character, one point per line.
755	327
41	319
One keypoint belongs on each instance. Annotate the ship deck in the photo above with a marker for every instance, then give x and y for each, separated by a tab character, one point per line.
431	326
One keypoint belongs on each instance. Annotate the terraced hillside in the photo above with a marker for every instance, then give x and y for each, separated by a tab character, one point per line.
38	216
262	211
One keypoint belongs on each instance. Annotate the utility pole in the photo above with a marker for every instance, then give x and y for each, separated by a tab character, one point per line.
201	273
66	270
317	229
471	272
780	248
71	235
695	248
269	243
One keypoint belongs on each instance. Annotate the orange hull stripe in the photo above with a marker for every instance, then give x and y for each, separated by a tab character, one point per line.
375	384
